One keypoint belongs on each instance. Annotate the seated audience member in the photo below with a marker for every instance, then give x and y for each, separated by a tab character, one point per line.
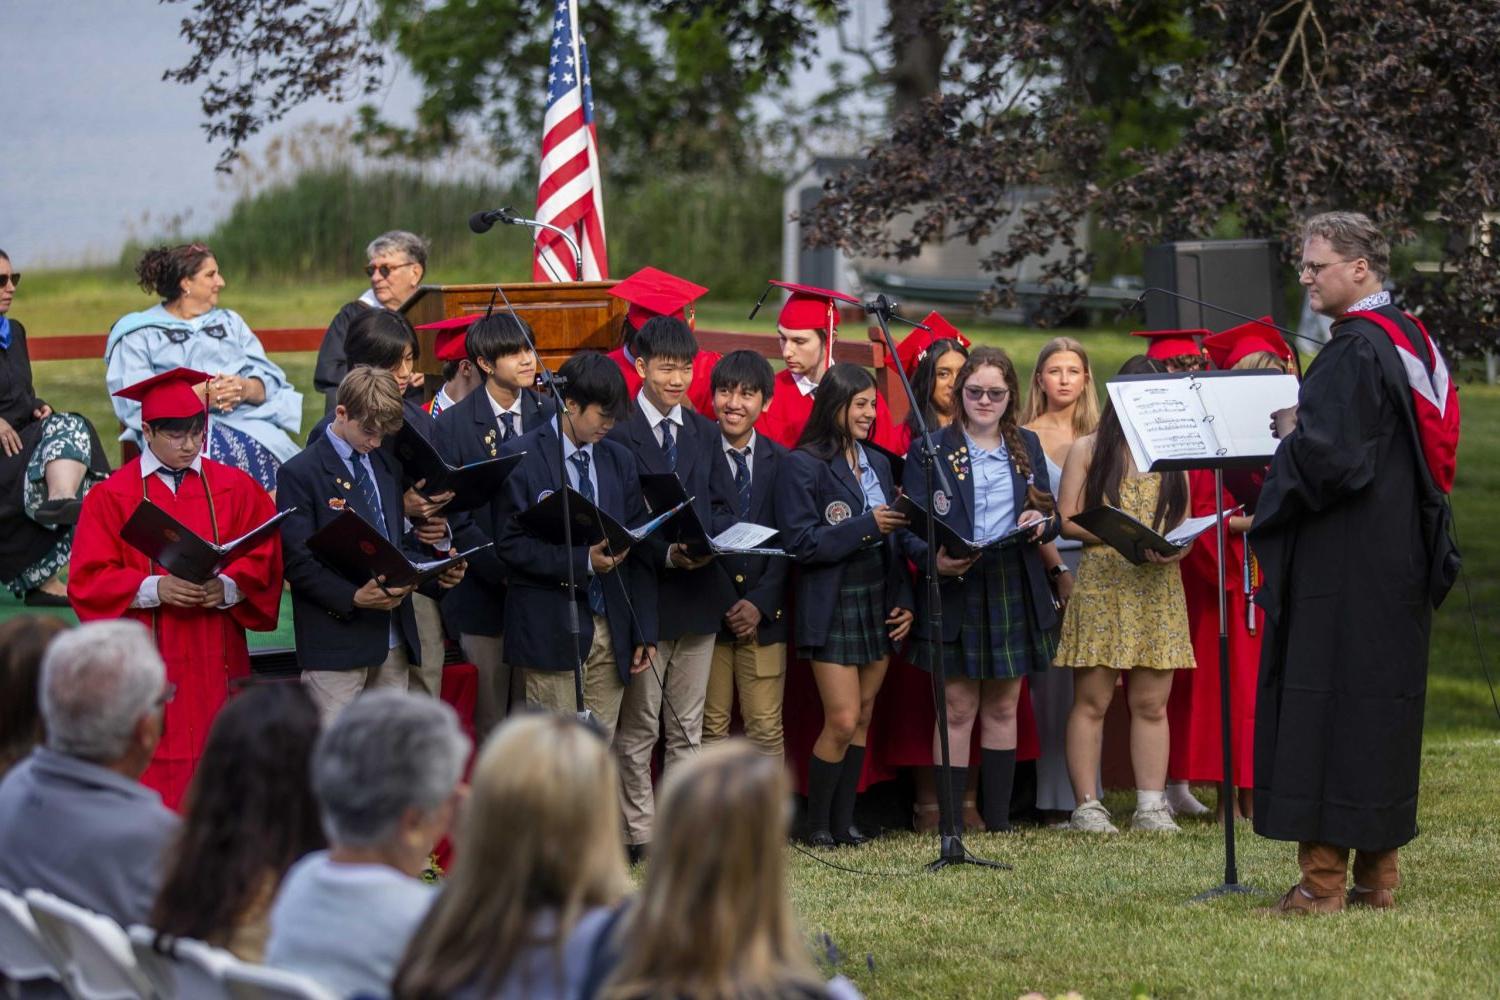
250	815
713	918
74	819
526	904
254	406
386	777
351	637
23	640
397	264
48	461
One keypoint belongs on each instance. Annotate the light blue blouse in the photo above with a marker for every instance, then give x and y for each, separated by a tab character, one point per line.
869	482
154	341
994	492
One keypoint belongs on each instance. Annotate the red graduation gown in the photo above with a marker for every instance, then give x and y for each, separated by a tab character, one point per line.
203	648
700	393
790	408
1193	710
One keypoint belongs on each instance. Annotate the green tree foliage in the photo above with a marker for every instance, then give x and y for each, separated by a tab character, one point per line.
1163	121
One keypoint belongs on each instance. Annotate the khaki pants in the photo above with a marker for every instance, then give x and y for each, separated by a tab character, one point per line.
681	667
496	681
333	690
427	676
602	690
758	673
1324	868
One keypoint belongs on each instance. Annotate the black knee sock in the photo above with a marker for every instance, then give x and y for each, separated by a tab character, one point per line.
997	770
951	809
822	780
847	790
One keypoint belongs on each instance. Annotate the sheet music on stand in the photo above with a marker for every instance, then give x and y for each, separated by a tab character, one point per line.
1181	420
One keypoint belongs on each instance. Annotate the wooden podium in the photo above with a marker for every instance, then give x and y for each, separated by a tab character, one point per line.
564	316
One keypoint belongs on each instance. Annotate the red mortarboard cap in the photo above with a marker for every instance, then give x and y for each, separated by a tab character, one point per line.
810	308
169	395
1171	343
448	345
652	292
1232	345
913	347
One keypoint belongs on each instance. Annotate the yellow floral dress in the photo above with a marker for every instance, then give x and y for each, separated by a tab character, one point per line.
1122	615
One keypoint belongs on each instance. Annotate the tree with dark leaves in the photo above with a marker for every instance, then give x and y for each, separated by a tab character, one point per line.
1188	120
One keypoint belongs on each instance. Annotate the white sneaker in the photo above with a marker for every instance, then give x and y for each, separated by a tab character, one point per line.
1155	818
1182	802
1092	817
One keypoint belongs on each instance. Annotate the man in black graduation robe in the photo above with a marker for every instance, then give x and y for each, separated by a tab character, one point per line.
1338	729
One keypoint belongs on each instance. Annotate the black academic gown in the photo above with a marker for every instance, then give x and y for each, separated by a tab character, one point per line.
1338	729
22	541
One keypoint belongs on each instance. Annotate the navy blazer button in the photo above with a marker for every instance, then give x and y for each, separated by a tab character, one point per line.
739	578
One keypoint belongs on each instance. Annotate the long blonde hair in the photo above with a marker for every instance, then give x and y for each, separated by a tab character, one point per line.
1085	410
541	834
713	920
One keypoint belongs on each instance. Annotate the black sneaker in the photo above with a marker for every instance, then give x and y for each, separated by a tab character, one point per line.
54	513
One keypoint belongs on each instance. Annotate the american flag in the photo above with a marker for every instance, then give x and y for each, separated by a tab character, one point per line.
571	193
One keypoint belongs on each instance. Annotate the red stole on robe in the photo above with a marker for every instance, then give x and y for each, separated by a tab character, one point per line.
203	648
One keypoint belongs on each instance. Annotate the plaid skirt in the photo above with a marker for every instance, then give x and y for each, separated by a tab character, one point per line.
236	448
857	631
998	638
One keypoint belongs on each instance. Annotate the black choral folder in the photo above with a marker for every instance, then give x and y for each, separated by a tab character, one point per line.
181	551
1131	538
664	491
590	524
958	546
353	546
473	485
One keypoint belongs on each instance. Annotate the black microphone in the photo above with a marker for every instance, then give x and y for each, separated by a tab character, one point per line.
483	222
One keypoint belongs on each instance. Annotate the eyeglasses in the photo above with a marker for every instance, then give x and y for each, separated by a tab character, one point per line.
181	439
386	269
1315	269
13	279
167	694
974	394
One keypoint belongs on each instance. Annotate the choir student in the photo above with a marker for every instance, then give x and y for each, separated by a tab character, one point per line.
998	609
1122	618
750	650
853	595
199	627
1062	405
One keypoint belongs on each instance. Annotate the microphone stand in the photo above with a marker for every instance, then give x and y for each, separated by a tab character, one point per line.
516	220
555	384
952	850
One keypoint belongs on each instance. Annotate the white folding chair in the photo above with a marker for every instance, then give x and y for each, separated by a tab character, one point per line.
192	969
261	982
97	961
24	956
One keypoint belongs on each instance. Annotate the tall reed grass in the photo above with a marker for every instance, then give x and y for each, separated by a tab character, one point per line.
723	231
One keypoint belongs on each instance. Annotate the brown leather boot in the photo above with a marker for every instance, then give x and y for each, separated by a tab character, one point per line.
1375	899
1297	902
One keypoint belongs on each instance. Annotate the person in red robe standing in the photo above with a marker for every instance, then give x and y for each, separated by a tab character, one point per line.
1194	713
652	292
199	628
807	327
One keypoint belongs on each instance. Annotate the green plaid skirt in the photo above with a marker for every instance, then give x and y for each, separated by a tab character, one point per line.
857	631
998	638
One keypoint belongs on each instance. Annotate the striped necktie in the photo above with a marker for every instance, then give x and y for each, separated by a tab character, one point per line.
742	479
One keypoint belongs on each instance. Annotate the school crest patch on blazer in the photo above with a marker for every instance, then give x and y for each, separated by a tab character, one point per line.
836	512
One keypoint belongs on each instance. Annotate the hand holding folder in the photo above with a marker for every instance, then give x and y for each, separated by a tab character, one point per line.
351	545
591	525
473	485
179	550
958	546
664	491
1131	538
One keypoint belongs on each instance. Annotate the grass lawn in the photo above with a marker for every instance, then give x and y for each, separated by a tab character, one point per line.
1105	916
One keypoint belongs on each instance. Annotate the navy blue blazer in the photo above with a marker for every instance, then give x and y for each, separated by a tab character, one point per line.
761	580
470	432
536	604
952	458
331	633
689	601
817	506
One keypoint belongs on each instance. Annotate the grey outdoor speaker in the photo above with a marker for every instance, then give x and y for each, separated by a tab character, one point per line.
1244	275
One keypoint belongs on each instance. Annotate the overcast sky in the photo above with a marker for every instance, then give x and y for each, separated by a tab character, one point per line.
98	148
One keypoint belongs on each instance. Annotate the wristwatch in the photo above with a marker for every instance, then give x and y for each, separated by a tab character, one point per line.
1058	570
